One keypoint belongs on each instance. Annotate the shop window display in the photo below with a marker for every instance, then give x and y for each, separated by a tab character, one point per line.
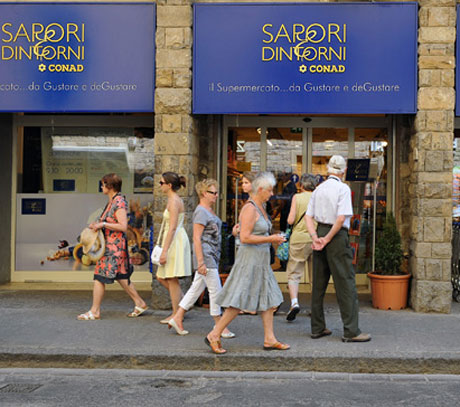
58	192
285	151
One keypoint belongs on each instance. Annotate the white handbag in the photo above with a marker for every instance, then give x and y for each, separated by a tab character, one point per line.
157	250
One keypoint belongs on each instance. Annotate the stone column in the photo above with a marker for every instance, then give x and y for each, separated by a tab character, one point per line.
6	168
175	136
431	159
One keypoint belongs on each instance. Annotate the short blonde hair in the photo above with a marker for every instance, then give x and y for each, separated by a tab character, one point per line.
202	186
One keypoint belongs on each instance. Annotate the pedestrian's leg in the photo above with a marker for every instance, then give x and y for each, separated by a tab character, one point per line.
189	299
130	289
340	258
175	293
98	295
321	275
267	320
229	315
163	282
270	341
214	287
294	270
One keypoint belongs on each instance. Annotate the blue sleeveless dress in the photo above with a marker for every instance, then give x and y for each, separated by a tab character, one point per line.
251	285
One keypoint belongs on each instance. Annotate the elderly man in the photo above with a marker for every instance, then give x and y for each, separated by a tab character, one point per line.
330	206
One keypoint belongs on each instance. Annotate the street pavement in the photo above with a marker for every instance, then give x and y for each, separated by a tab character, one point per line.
127	387
39	329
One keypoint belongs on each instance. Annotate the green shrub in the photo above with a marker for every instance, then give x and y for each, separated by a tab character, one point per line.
388	250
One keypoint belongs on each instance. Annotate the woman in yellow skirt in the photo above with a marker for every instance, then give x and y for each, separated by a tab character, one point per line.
175	258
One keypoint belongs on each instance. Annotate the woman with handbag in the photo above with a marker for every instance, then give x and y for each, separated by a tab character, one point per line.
252	284
175	259
207	238
300	250
114	264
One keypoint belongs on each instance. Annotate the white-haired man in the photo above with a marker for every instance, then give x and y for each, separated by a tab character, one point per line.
331	207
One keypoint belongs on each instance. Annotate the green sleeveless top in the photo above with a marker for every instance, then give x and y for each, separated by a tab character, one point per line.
300	233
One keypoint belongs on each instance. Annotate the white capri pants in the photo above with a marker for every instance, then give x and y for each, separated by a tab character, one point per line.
200	282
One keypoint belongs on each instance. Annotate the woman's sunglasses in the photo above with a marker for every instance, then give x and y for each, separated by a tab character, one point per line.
213	192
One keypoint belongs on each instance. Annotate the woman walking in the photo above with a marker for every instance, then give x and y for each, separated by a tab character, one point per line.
300	250
252	284
113	266
246	186
206	257
175	257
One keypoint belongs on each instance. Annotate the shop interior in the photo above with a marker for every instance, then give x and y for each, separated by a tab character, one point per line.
288	152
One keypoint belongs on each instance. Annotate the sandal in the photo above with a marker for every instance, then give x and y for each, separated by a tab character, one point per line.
87	316
137	311
165	321
277	346
215	346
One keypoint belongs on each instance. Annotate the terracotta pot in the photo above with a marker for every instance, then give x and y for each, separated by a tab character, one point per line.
389	292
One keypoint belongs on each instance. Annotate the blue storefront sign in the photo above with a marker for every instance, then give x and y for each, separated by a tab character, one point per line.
77	57
305	58
36	206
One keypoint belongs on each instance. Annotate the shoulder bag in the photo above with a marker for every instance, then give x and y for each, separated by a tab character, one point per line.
282	252
157	250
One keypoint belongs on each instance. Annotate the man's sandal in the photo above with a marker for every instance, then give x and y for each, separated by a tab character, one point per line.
137	311
277	346
87	316
215	346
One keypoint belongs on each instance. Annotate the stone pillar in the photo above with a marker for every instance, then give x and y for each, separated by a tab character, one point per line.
6	168
176	141
431	159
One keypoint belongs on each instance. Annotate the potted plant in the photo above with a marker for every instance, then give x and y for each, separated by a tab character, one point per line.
389	285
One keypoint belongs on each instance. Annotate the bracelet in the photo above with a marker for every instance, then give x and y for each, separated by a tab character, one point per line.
202	264
314	234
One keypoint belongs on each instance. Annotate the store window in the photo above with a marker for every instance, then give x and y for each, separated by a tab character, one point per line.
288	152
59	173
326	143
243	154
370	197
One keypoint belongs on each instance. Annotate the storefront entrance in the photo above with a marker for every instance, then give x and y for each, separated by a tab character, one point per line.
291	146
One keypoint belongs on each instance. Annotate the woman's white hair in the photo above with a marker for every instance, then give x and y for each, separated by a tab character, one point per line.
264	180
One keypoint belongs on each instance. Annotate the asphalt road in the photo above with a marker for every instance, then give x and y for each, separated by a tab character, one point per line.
97	387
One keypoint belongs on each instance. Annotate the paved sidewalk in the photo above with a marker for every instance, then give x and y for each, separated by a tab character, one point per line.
39	329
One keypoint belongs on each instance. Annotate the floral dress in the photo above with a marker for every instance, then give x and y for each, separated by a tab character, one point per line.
114	264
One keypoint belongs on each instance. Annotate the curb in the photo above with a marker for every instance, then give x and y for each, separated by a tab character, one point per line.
206	362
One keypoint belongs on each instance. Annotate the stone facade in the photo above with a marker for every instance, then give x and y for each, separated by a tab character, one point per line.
186	144
431	160
176	139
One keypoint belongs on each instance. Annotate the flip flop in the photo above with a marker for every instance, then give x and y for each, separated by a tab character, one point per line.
87	316
215	346
277	346
137	311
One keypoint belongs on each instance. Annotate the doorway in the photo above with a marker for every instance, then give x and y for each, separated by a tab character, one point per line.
291	146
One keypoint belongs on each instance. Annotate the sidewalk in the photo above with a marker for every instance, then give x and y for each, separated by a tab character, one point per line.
39	329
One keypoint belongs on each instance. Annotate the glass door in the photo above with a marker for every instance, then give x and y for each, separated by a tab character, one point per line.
291	146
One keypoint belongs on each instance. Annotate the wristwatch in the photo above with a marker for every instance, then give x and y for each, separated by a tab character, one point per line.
103	224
